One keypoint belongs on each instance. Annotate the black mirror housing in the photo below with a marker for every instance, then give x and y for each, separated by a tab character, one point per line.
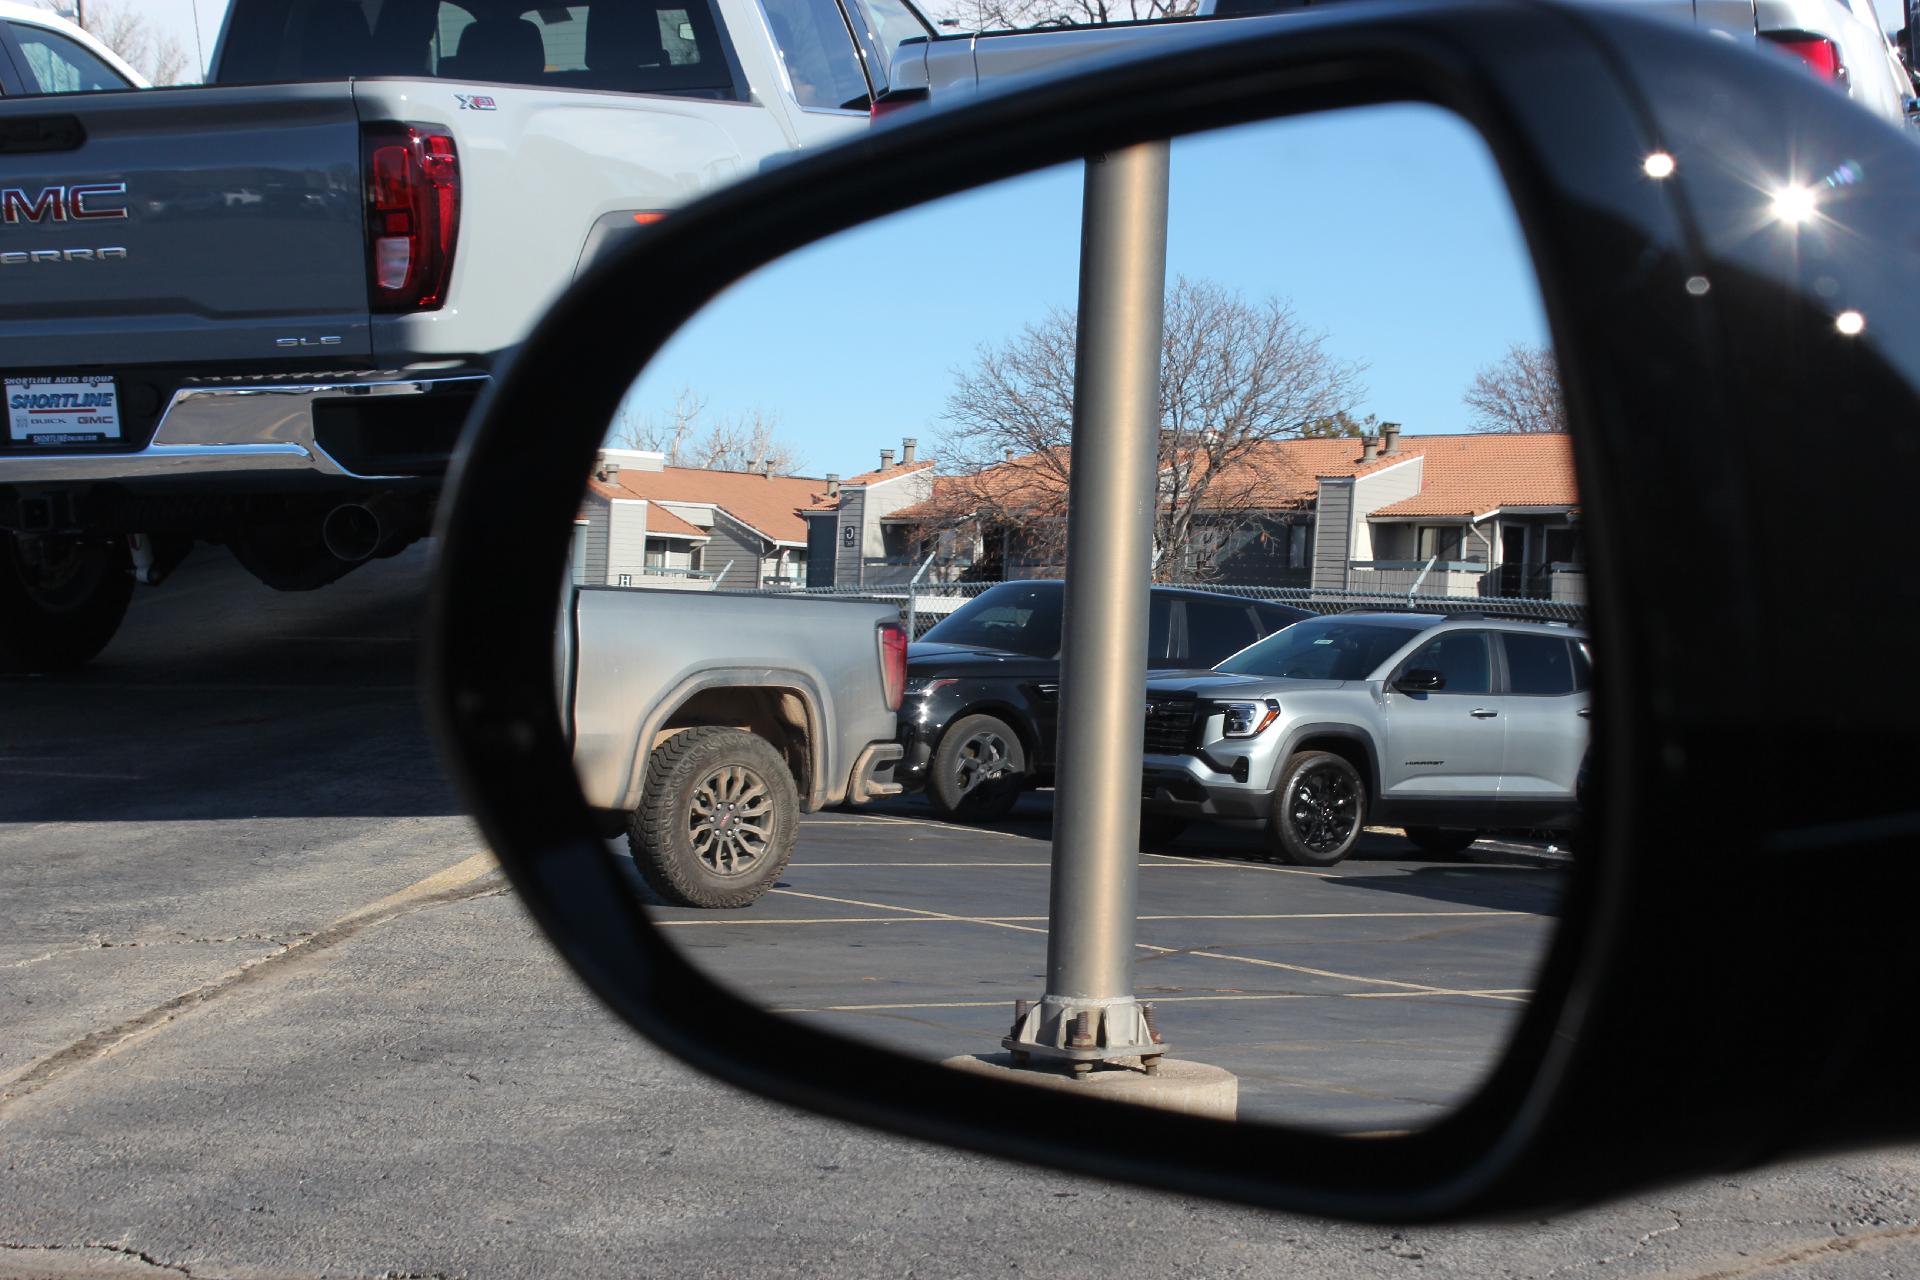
1420	680
1669	1035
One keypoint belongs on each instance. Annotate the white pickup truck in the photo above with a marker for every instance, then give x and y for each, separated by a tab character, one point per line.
256	312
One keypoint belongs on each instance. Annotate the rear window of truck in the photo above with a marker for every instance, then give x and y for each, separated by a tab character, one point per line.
673	47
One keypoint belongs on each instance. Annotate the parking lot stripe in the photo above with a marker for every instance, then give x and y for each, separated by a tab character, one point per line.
1144	946
1157	999
1301	968
1238	865
933	919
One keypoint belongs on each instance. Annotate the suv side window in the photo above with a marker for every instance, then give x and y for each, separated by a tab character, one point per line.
57	64
1216	628
1537	666
818	51
1166	634
1463	657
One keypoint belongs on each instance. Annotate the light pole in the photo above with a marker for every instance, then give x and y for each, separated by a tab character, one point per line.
1088	1013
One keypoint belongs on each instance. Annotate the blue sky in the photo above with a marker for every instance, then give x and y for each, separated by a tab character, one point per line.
1386	227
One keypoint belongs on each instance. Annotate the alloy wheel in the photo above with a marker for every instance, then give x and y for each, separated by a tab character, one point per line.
730	820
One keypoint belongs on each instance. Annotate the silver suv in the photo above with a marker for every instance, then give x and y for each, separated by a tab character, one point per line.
1448	726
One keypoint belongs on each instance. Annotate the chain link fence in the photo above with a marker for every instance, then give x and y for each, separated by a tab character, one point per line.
924	604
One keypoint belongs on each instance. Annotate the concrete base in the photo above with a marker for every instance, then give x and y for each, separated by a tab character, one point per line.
1191	1088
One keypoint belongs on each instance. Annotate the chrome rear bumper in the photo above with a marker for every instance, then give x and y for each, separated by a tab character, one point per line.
234	430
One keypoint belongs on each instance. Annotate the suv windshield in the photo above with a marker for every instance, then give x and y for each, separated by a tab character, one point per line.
1325	649
1019	617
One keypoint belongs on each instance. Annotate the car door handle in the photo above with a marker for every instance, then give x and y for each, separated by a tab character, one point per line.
1481	713
1585	713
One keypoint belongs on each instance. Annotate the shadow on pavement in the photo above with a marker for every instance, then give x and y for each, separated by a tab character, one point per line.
220	698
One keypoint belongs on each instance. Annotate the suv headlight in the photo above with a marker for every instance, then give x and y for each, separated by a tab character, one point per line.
1248	719
920	686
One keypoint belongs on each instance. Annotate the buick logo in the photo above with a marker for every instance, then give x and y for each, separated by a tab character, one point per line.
82	202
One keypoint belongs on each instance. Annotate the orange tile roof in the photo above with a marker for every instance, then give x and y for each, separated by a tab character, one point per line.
1463	475
770	505
891	473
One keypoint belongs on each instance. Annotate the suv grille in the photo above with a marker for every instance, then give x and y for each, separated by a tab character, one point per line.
1169	726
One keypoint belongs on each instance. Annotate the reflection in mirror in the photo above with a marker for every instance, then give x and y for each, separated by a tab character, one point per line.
1365	713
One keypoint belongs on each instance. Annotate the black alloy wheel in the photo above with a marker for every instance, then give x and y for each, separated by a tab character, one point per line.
1318	810
978	771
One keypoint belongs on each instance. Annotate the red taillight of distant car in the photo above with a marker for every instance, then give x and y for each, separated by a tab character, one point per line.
1822	56
893	663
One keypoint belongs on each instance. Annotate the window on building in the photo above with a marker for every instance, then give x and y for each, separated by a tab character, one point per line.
1441	541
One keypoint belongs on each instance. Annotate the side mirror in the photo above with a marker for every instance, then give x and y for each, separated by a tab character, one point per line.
1681	246
1420	680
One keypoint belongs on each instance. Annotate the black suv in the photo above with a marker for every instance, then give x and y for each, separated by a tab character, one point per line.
982	686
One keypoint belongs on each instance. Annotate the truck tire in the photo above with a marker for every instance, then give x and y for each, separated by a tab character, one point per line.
978	770
1319	809
60	606
717	818
1441	842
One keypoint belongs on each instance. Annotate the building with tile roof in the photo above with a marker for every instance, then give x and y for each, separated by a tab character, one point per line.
644	523
1456	514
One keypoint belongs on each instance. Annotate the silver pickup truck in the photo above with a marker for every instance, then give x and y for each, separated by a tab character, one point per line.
704	724
1840	41
257	312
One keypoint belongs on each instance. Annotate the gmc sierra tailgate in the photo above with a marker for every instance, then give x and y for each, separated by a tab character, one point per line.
202	227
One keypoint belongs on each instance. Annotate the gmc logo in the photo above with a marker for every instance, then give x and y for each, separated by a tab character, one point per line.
59	204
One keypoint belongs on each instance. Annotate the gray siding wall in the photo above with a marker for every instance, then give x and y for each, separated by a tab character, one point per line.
846	559
883	500
1372	492
627	541
732	542
1332	534
595	550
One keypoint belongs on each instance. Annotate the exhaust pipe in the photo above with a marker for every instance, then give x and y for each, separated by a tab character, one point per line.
380	526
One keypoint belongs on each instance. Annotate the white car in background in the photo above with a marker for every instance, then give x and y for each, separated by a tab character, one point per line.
41	52
1840	41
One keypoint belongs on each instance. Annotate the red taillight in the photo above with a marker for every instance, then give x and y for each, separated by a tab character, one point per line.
893	663
413	216
893	102
1822	56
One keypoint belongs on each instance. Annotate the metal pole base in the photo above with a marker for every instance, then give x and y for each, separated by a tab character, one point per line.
1084	1033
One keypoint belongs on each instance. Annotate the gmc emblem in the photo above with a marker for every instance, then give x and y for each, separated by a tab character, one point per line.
59	204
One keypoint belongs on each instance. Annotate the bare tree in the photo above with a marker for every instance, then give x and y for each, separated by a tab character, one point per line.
131	34
750	442
1014	15
1234	377
1519	392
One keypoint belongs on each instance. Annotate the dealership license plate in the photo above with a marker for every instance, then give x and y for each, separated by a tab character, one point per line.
56	411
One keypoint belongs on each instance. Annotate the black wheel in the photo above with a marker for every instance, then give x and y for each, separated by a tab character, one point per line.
717	818
1441	842
60	601
978	770
1158	830
1318	810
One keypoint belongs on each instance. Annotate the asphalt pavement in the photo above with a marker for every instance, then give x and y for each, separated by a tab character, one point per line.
267	1010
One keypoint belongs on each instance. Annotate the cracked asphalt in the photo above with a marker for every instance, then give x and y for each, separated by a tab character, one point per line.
266	1011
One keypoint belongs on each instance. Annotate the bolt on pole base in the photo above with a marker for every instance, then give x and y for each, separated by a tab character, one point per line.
1084	1033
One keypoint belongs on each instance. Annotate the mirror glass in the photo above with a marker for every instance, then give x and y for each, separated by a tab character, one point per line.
1366	715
